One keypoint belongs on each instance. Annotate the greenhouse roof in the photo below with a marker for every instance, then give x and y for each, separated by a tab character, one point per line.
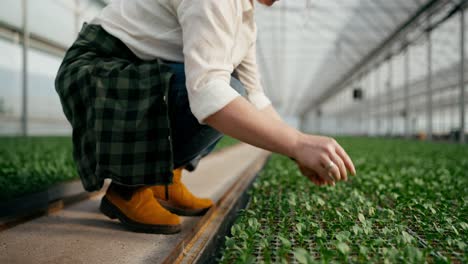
307	47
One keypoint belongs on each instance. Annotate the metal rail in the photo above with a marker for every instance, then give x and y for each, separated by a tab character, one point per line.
25	48
431	16
462	77
362	66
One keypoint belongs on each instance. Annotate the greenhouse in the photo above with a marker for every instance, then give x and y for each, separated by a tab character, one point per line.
241	131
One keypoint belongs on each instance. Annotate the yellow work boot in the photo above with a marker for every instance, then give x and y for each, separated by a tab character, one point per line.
179	200
140	213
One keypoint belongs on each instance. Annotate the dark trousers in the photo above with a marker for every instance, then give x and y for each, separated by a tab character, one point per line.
190	140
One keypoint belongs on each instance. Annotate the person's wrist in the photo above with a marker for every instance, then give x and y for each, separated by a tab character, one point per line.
296	144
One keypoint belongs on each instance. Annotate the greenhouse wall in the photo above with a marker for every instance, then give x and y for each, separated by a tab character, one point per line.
56	24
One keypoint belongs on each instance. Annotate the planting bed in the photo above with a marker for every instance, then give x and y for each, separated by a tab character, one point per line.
408	204
225	142
33	164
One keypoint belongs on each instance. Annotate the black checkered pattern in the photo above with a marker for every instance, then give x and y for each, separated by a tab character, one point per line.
117	106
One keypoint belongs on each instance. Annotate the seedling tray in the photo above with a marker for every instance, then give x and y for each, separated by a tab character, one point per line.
408	204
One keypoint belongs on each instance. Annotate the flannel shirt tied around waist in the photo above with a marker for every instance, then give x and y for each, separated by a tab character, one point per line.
117	106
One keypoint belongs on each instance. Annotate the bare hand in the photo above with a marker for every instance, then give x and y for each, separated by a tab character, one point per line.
314	177
322	159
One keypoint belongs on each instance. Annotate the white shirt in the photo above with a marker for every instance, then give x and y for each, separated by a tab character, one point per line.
212	37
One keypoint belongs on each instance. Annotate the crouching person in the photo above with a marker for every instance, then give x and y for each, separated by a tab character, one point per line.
149	86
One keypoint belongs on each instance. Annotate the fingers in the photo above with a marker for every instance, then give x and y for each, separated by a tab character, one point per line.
316	179
347	160
331	166
320	181
325	161
331	174
340	165
313	176
321	173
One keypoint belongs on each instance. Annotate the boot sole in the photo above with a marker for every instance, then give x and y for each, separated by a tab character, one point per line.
113	212
182	211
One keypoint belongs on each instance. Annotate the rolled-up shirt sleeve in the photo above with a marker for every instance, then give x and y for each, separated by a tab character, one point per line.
249	75
208	29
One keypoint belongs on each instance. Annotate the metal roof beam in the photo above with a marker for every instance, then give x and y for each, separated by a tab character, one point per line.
360	67
14	34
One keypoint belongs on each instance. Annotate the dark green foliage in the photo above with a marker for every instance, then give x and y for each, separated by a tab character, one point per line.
225	142
408	204
32	164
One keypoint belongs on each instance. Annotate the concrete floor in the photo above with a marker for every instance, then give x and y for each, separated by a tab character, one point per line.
81	234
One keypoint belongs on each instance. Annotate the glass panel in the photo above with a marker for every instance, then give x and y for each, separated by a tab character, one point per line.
10	12
10	87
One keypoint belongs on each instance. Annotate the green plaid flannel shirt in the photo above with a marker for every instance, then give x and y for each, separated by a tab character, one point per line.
117	106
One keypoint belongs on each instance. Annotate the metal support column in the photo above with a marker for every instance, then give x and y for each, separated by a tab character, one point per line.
337	114
390	97
282	55
377	100
319	121
406	92
274	68
362	107
367	96
24	110
76	12
374	102
462	76
429	98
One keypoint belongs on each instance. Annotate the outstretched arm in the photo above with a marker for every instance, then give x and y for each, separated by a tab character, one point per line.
239	119
271	112
208	29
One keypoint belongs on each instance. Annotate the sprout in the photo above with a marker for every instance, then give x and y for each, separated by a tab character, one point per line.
302	256
361	218
343	248
286	243
382	214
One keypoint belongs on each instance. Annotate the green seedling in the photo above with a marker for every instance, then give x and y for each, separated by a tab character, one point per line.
408	205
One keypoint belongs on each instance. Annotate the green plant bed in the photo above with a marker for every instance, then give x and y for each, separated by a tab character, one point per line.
225	142
408	204
33	164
